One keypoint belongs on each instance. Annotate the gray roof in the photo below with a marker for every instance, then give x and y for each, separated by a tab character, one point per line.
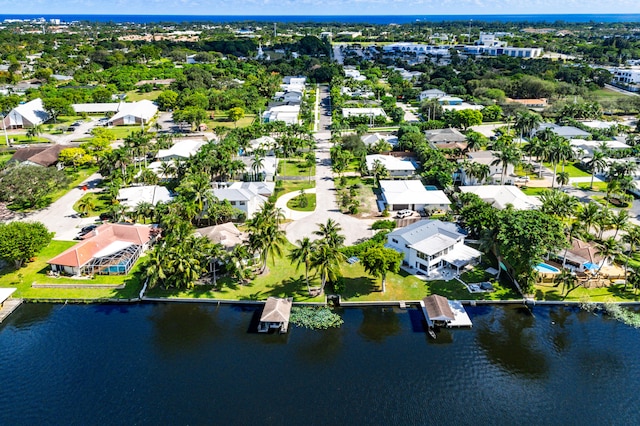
444	135
277	310
423	229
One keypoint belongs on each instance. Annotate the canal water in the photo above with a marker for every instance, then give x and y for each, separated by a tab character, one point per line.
202	364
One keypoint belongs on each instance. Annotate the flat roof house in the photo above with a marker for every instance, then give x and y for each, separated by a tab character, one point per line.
397	167
429	245
500	196
412	195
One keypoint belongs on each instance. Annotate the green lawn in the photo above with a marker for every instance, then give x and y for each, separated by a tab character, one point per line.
533	190
570	168
597	186
606	94
134	95
220	120
295	167
286	186
613	293
101	200
294	203
35	272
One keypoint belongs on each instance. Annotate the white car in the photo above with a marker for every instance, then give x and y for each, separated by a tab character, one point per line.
404	213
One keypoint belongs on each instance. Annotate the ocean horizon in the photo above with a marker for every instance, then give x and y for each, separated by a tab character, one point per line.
346	19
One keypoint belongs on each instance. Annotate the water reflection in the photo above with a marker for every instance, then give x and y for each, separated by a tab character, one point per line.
560	320
35	313
183	326
509	341
378	324
321	346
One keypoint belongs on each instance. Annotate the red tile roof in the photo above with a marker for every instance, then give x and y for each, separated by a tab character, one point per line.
101	237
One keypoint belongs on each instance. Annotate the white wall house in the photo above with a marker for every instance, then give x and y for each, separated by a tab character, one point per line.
412	195
495	170
242	199
397	167
429	245
427	95
500	196
182	149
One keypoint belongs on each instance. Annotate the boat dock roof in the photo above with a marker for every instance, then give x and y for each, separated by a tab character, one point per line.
451	312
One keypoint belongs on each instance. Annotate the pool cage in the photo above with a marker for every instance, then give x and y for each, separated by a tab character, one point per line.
117	263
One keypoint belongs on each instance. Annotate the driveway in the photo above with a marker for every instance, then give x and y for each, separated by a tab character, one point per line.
60	217
326	207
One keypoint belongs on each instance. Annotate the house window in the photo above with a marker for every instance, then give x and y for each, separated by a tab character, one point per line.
233	203
394	240
242	203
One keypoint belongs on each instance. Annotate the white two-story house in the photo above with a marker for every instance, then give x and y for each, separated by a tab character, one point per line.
429	245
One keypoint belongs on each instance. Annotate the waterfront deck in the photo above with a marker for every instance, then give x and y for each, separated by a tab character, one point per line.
7	305
461	317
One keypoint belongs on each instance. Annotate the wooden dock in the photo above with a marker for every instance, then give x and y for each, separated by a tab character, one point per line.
8	307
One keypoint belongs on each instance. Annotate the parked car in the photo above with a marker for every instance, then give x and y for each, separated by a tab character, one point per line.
404	213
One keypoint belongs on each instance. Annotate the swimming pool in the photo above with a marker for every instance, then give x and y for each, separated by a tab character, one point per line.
431	187
547	269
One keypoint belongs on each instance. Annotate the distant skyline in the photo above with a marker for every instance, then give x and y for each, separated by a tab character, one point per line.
318	7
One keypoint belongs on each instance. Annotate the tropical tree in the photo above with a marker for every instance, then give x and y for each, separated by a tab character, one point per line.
526	122
21	241
235	114
86	204
379	260
588	215
597	163
568	280
330	233
608	249
558	203
378	170
620	221
303	254
326	259
257	164
632	238
508	155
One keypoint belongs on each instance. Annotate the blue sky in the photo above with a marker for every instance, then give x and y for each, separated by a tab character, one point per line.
317	7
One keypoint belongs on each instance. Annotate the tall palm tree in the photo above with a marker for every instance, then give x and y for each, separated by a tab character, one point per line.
326	260
330	232
303	253
257	163
540	149
588	214
560	151
608	249
526	122
603	221
562	179
568	281
632	237
620	221
509	155
596	164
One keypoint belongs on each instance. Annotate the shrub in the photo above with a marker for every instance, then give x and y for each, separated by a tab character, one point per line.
384	224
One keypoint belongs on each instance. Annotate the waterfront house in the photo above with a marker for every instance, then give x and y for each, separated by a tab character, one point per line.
225	234
110	249
429	245
500	196
275	315
412	195
581	257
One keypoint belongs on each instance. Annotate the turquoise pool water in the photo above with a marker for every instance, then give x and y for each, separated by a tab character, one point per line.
548	269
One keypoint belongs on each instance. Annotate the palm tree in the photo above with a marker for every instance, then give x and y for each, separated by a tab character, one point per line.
632	237
588	214
608	249
86	204
540	149
620	221
236	263
326	260
330	233
303	253
378	170
568	281
603	220
558	203
560	151
562	178
144	210
257	164
508	155
596	164
153	266
526	122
